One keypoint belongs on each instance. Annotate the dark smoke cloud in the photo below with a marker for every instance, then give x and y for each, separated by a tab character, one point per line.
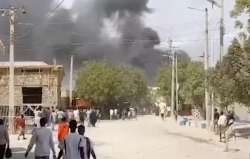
80	31
136	7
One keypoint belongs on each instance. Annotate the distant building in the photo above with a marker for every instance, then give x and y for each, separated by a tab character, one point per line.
78	103
36	84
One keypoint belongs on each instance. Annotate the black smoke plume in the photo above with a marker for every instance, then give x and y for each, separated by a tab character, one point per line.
85	30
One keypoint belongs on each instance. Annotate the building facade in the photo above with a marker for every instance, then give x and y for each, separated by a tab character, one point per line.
36	84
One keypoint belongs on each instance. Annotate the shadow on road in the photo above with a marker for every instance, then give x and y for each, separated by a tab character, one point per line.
195	139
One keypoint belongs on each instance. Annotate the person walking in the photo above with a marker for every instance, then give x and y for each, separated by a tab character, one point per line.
111	114
4	139
22	125
222	123
43	139
115	113
162	110
60	115
63	131
38	115
216	118
99	115
76	115
65	114
73	145
88	146
93	118
123	114
81	116
129	113
49	118
53	119
230	118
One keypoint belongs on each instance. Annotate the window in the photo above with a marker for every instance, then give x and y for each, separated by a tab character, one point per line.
32	95
31	70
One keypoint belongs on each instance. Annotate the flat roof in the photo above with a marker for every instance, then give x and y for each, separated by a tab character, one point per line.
28	64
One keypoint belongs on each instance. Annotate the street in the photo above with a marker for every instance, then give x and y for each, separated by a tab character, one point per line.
112	59
149	138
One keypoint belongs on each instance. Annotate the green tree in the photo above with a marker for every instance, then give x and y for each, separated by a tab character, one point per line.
230	79
105	83
164	82
242	7
191	83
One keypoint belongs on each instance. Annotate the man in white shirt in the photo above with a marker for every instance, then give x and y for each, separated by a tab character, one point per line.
43	139
88	146
111	113
162	110
222	123
76	115
37	113
88	116
73	145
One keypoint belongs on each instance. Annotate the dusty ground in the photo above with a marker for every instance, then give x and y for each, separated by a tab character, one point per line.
151	138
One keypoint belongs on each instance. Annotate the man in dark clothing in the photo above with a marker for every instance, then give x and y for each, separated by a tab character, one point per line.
230	118
4	139
93	118
82	116
124	114
216	118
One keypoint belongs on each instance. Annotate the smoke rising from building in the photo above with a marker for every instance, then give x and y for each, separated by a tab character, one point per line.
91	30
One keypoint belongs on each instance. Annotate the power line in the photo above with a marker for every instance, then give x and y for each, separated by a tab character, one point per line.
57	6
50	13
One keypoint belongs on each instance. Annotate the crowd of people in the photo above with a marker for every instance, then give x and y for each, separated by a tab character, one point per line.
129	113
73	144
53	116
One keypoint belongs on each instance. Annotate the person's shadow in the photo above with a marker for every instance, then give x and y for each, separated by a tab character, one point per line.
18	153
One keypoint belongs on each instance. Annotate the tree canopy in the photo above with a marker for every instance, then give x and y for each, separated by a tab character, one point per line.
105	83
230	79
191	83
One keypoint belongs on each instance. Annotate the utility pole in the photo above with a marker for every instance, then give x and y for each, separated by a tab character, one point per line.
173	77
71	80
11	12
212	107
222	32
11	69
206	64
176	84
222	28
206	61
2	47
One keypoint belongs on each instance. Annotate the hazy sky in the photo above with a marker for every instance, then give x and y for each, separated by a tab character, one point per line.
173	19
